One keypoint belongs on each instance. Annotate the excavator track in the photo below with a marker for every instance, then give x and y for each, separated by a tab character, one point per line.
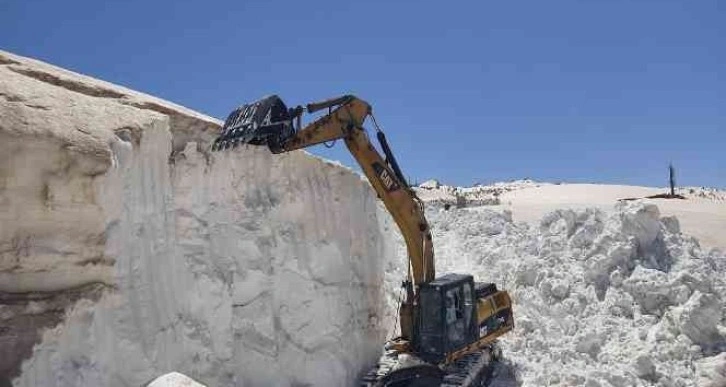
472	370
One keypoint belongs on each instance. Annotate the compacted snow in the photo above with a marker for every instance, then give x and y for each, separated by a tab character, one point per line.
606	292
128	250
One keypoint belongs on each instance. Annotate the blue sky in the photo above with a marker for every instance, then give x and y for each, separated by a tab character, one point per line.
467	91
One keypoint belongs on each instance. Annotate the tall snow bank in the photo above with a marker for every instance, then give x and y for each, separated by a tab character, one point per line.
619	299
128	251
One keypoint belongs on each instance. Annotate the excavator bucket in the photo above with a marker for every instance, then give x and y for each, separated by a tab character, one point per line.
265	122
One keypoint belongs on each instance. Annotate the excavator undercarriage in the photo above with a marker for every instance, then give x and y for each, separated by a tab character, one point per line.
400	369
449	324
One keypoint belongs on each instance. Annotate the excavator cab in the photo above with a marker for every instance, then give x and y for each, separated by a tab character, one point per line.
455	312
447	316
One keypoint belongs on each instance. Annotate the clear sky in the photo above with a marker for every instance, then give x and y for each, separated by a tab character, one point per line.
467	91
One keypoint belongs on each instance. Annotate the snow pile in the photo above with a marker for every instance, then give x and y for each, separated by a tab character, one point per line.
128	251
600	299
434	193
174	379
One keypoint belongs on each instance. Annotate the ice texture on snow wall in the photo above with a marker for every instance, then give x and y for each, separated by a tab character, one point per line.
129	251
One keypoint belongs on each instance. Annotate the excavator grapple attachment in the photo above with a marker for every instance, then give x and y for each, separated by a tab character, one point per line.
265	122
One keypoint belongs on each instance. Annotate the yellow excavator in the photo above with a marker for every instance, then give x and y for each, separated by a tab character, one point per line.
449	323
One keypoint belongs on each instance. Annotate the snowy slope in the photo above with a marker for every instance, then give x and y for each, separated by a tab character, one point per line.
702	215
435	193
605	293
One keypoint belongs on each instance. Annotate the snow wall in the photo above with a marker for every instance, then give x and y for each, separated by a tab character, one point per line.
127	250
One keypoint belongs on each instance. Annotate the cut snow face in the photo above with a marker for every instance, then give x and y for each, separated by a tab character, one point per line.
600	299
128	251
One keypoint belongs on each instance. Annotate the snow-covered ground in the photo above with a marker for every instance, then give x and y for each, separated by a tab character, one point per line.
702	214
605	293
435	193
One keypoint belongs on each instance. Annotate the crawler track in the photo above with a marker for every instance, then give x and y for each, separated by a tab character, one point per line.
472	370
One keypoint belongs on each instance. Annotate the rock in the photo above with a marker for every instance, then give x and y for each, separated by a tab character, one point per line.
127	249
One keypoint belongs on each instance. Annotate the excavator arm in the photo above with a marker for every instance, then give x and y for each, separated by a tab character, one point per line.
449	321
269	122
345	121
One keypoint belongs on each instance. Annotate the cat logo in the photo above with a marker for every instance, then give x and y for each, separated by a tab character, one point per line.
386	178
268	118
